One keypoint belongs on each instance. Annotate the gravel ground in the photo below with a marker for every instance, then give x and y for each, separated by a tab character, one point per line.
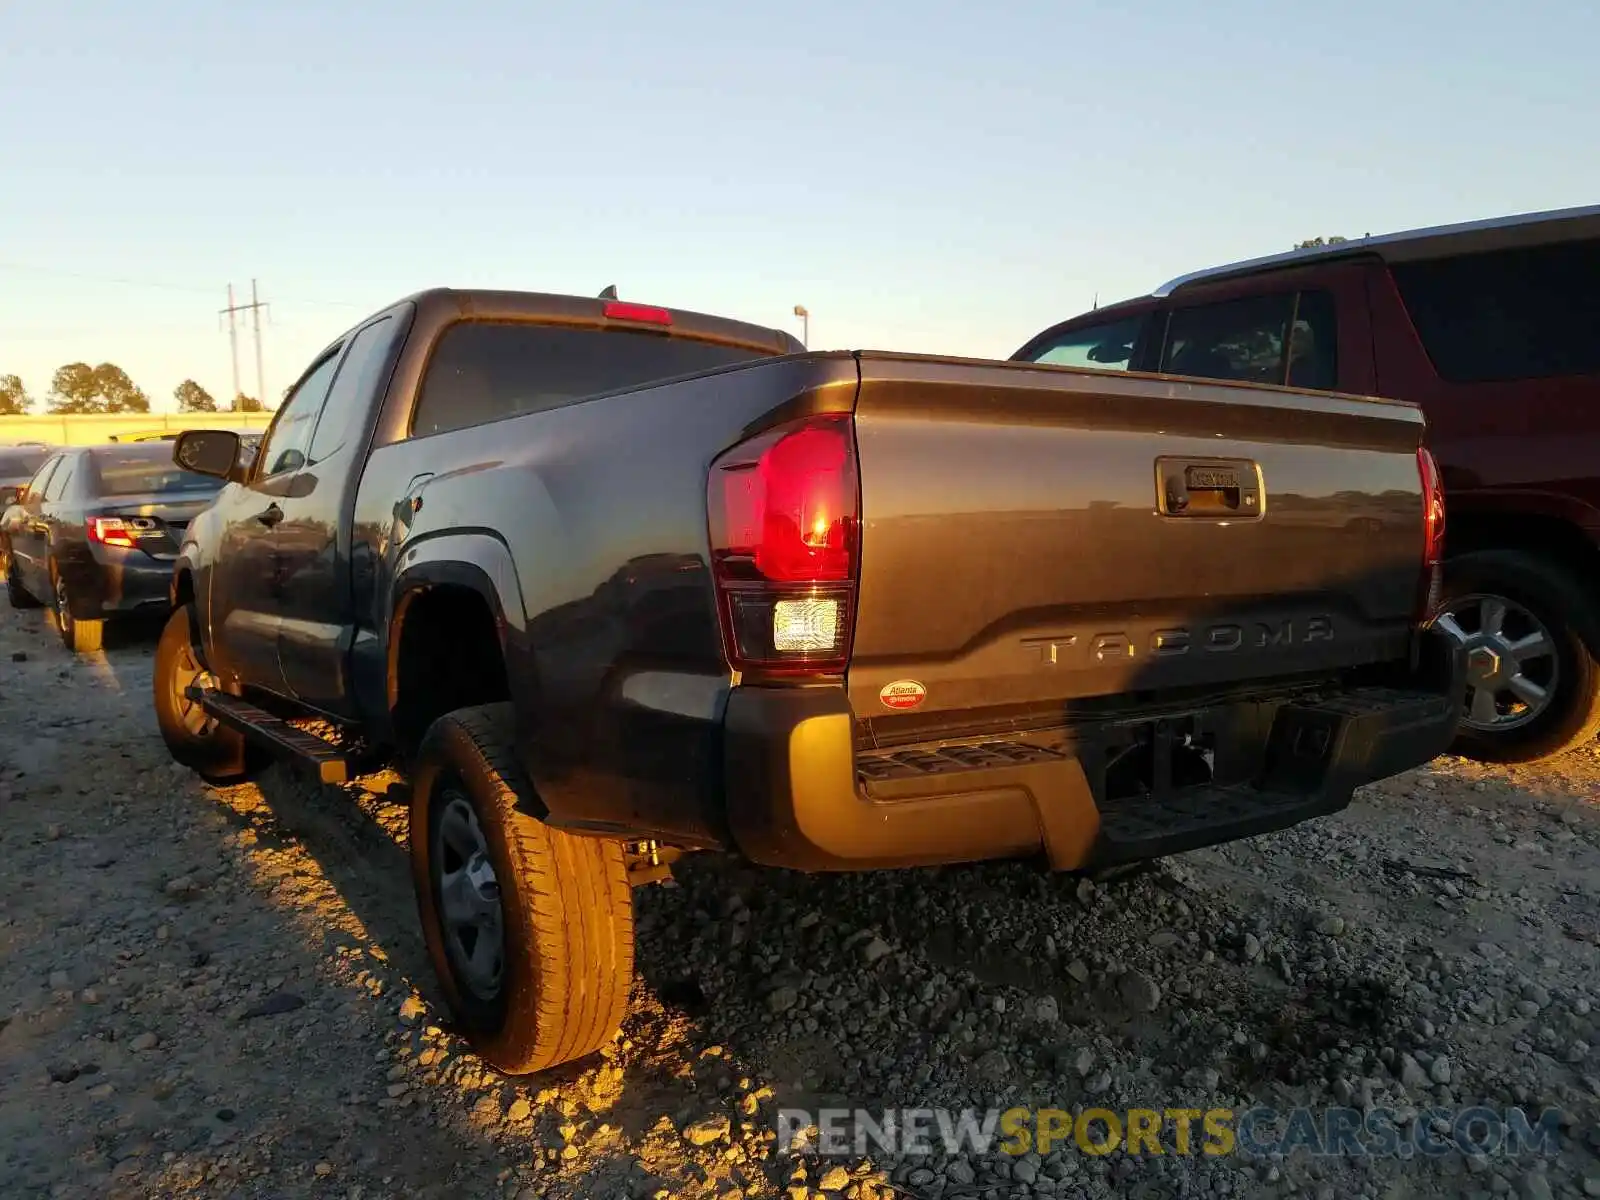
224	993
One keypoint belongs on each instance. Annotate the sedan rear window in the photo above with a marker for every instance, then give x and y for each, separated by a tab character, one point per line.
485	371
20	464
136	475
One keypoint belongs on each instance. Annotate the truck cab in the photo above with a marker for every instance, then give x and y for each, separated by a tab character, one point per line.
1493	329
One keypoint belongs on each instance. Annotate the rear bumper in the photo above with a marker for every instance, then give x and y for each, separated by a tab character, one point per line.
800	795
110	581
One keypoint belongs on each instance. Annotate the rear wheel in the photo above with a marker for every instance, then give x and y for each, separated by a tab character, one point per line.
530	929
18	595
1533	656
193	736
81	637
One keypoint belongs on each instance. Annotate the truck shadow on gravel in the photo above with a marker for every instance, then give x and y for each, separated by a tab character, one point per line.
361	855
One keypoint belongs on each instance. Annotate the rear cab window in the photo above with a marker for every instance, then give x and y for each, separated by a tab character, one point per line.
482	371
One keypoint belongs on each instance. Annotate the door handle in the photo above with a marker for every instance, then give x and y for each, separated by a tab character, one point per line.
270	516
1209	487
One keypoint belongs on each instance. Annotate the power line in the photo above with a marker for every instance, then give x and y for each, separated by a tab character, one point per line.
159	285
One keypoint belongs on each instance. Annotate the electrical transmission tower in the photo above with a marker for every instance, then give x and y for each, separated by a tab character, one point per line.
231	312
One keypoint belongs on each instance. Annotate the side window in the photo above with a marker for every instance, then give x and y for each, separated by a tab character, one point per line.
1314	342
286	445
41	479
57	486
1107	347
352	389
1526	313
1242	340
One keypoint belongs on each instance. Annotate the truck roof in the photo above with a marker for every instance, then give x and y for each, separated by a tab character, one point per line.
485	304
1495	233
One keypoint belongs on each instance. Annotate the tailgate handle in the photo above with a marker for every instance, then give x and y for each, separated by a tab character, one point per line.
1209	487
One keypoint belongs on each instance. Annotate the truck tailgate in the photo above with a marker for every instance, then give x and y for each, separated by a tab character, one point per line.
1040	534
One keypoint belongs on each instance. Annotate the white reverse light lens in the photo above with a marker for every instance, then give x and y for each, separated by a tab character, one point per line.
805	625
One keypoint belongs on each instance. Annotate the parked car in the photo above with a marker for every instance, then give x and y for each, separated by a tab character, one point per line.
618	581
97	532
17	465
1493	328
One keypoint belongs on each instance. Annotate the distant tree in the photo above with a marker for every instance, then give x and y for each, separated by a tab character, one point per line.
243	403
14	398
72	390
118	391
1334	240
80	388
191	397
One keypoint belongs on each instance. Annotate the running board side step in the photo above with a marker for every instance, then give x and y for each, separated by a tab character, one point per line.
327	762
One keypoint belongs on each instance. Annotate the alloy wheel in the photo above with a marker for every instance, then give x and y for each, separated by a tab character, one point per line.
469	897
1512	664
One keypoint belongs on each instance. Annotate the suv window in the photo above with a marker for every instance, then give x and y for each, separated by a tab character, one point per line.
352	389
1240	340
290	438
1314	342
484	371
1105	347
1525	313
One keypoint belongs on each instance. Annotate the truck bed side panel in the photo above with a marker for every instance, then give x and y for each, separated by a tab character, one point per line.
614	650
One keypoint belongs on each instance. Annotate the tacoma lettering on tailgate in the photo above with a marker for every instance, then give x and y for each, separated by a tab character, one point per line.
1221	638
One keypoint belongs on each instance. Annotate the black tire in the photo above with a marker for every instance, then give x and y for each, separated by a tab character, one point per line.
80	637
1550	594
18	595
213	751
565	904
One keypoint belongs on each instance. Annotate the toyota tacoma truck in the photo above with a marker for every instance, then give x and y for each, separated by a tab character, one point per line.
614	582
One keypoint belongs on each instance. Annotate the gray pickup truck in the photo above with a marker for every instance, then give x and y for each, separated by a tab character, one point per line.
614	582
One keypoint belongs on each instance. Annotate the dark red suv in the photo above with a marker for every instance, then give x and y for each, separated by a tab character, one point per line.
1493	328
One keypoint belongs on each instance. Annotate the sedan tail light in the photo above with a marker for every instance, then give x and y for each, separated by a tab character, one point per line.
121	532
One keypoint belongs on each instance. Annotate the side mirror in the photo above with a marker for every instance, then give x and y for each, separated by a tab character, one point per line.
10	494
207	451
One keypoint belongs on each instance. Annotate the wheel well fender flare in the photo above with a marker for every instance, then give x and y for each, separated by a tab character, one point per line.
477	561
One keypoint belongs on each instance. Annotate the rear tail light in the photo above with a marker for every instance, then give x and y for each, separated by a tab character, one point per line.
783	509
1430	587
122	532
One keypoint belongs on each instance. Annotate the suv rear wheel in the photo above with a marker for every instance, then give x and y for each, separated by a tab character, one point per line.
1533	656
530	929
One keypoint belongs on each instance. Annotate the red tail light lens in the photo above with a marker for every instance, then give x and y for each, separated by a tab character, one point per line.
1432	535
113	531
784	522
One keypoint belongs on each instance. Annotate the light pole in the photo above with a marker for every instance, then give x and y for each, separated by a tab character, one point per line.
804	314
